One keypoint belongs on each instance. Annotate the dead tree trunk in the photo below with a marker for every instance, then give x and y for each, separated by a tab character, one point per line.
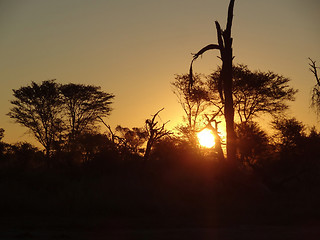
225	82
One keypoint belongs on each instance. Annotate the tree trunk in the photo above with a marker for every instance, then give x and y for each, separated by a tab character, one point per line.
225	81
148	150
229	110
225	43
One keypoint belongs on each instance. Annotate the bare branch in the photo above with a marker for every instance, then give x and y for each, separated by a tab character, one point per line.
206	48
219	35
230	17
313	69
195	56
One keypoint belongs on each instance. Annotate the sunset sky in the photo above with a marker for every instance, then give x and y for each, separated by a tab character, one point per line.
133	49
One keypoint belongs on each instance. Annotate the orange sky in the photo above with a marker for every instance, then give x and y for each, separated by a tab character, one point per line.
133	48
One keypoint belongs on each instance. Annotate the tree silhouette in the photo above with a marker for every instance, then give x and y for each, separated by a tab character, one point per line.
315	99
155	133
52	111
252	143
290	132
215	132
193	101
131	139
84	106
38	108
90	145
256	92
24	155
225	81
1	133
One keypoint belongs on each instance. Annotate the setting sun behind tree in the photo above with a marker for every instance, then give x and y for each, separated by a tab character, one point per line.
206	138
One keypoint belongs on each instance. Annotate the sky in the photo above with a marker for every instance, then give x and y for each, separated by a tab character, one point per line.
134	48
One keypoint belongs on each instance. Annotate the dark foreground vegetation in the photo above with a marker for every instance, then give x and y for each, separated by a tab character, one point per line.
179	185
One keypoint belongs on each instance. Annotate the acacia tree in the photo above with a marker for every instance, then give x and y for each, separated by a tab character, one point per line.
84	106
225	81
256	92
38	108
51	111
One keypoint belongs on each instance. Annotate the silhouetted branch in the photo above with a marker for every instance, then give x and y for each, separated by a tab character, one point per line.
230	17
217	138
313	69
315	98
113	136
206	48
195	56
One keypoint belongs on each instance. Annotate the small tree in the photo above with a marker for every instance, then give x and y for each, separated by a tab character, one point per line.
253	143
193	101
215	132
290	132
155	133
131	139
38	108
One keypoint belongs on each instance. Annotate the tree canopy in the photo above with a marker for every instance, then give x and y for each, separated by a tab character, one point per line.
194	102
38	108
52	111
256	92
84	105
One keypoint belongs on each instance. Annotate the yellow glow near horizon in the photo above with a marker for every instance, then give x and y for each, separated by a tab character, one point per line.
206	138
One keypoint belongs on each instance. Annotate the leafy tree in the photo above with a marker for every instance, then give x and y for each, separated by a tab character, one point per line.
132	139
315	99
90	145
84	106
38	108
24	155
253	143
256	92
193	101
291	132
51	111
298	152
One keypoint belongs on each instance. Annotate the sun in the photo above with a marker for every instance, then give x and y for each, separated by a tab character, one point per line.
206	138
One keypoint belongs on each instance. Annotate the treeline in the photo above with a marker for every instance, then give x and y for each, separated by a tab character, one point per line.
150	173
274	182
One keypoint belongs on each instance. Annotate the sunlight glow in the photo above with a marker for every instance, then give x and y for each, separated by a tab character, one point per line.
206	138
